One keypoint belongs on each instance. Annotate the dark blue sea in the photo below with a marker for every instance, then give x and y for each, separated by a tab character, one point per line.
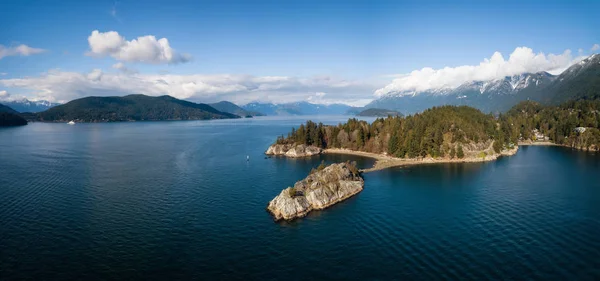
179	200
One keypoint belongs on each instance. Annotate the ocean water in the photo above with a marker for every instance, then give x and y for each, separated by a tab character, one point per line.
179	200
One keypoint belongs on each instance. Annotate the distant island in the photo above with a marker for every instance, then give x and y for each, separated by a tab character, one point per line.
128	108
378	112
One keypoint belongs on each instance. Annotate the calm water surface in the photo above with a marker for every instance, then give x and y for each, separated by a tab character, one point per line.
178	200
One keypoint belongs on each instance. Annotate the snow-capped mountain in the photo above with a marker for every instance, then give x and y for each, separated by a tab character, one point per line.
25	105
580	80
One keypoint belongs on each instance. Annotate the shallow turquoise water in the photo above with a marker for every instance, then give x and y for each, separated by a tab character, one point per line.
178	200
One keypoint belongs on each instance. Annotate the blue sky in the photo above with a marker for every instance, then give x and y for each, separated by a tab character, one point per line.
351	48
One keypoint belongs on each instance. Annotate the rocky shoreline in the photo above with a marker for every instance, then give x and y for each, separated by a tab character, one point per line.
293	151
319	190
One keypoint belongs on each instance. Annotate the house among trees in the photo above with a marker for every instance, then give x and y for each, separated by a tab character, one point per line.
538	136
579	130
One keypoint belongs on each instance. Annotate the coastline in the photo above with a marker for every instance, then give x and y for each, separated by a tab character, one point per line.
547	143
385	161
540	143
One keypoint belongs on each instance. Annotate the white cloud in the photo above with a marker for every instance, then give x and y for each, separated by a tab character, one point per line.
144	49
62	86
522	60
596	47
21	50
4	95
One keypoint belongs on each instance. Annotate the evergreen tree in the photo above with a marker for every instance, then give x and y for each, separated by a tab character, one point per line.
459	152
393	143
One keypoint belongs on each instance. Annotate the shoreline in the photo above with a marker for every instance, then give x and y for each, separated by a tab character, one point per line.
547	143
540	143
384	161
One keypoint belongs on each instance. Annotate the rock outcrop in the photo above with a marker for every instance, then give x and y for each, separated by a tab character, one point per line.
321	189
293	151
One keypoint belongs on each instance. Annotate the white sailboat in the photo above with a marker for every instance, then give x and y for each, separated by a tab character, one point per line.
71	122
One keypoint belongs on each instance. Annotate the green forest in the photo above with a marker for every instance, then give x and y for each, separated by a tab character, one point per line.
447	131
10	119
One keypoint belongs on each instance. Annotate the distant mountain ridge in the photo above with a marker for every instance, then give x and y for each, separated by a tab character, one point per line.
298	108
25	105
229	107
579	81
129	108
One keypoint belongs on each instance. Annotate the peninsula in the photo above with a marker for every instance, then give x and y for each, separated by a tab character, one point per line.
438	135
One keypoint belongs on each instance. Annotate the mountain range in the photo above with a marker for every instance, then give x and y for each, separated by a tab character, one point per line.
25	105
298	108
581	80
229	107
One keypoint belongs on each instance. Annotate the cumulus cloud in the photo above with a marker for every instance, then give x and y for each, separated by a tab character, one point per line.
62	86
521	60
144	49
21	50
596	47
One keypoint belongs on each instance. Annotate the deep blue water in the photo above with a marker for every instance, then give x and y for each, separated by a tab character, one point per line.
178	200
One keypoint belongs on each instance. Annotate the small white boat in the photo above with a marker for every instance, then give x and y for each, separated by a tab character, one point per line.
71	122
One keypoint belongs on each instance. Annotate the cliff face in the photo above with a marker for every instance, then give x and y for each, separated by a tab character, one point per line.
319	190
293	151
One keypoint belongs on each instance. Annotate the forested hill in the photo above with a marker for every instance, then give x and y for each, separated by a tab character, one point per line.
130	108
11	119
573	123
437	132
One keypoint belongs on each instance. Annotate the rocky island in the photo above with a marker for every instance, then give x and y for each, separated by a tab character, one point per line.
324	187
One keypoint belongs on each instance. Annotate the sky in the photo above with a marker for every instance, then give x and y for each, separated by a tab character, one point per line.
281	51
